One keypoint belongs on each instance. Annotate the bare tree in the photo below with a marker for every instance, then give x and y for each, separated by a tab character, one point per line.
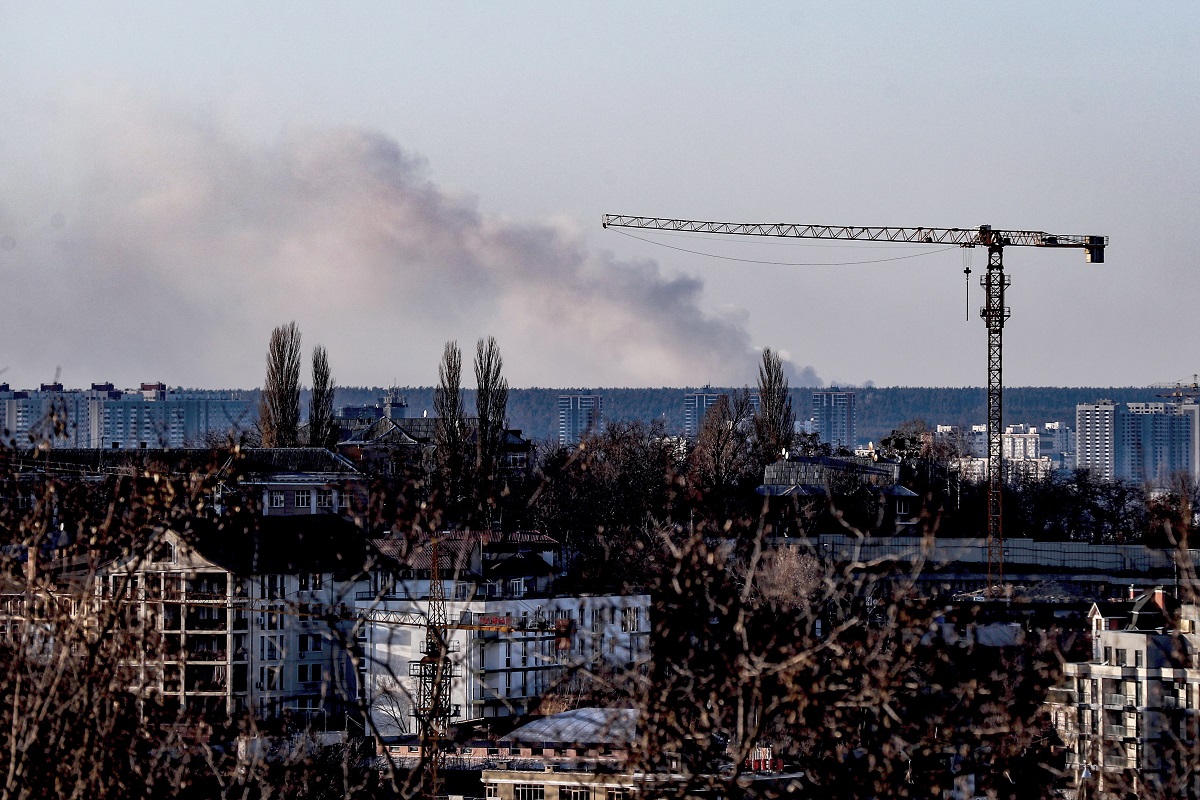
491	403
775	422
279	405
449	435
320	408
722	455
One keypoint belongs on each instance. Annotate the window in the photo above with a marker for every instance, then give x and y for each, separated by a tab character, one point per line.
303	498
308	673
270	648
270	587
310	642
1108	655
615	794
631	620
575	793
273	618
163	553
529	791
276	499
325	498
1138	658
1121	656
491	790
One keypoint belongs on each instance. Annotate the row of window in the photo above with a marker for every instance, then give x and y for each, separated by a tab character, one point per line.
537	791
302	498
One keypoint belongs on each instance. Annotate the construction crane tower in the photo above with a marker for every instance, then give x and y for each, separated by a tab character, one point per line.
994	312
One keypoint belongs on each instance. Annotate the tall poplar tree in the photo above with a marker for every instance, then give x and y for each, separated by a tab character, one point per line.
320	406
774	425
491	404
279	403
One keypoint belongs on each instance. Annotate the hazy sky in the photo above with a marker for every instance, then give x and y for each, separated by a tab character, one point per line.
176	179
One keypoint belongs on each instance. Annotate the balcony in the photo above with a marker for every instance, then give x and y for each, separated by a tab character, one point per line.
1118	700
206	654
485	694
1119	762
1171	701
1120	732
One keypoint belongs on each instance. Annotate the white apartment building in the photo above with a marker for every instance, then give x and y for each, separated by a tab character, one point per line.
1128	717
1021	442
45	414
246	621
105	417
1142	442
510	636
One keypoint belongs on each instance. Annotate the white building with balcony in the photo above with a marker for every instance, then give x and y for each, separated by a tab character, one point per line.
511	636
1128	717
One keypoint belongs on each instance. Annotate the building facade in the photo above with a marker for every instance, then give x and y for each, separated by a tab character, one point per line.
1141	442
579	415
835	415
1128	716
150	417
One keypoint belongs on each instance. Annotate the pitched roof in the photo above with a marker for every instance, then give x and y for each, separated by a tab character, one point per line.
611	726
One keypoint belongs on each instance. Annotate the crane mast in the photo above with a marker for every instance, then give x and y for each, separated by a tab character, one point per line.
994	312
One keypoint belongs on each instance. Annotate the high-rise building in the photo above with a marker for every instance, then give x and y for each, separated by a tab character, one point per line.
103	416
578	416
834	412
1142	442
1058	443
697	404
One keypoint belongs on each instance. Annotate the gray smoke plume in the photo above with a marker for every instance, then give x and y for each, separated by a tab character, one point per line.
155	245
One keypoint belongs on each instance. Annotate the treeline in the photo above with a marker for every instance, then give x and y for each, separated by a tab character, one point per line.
880	409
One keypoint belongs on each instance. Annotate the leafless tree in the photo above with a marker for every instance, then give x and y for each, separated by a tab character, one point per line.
491	403
775	422
723	452
279	404
320	408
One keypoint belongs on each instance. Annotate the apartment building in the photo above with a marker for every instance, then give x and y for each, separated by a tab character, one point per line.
102	416
697	404
835	415
1142	442
513	631
579	415
1128	716
250	620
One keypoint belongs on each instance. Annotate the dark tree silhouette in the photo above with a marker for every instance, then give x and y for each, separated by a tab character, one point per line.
491	403
279	405
320	408
450	433
775	422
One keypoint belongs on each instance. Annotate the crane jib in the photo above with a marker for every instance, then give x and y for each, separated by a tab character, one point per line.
983	236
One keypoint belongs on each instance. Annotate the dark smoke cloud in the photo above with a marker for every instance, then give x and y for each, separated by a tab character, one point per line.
154	245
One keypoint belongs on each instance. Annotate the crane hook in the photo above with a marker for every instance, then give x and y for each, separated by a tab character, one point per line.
967	276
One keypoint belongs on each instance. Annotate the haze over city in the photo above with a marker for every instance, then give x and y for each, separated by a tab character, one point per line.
178	181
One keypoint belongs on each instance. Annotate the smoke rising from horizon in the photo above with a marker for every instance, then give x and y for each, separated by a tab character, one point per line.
142	243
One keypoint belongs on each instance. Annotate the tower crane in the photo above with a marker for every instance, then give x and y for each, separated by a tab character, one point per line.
994	311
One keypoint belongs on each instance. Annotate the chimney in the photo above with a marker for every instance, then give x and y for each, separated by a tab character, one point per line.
1132	593
1160	597
31	564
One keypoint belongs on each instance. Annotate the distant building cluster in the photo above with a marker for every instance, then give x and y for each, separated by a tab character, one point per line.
1143	442
696	406
149	417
